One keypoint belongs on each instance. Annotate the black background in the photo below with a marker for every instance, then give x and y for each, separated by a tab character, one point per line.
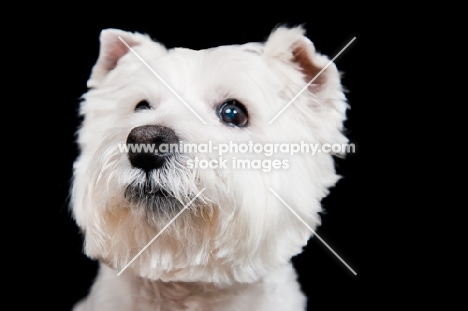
353	210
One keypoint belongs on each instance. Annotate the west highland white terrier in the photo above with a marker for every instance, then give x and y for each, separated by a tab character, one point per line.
195	230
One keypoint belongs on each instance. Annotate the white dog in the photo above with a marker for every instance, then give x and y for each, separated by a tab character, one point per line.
224	237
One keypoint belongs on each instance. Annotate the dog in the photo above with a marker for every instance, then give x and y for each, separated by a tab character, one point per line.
172	234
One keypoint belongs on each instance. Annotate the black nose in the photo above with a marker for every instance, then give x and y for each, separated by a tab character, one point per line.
144	144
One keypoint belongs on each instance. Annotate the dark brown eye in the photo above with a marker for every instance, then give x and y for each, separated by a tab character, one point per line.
143	105
233	113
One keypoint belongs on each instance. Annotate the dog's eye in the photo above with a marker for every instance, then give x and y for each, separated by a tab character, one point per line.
233	113
142	105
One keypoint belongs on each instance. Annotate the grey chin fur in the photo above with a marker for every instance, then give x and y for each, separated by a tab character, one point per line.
162	193
152	197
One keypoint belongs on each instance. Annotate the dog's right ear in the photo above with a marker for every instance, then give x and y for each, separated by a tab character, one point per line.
112	49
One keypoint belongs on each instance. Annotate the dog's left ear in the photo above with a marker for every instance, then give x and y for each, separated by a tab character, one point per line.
293	56
288	48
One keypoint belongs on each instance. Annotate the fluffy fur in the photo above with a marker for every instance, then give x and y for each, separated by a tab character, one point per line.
231	249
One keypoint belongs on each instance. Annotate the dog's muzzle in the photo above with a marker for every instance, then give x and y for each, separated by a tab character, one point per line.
145	145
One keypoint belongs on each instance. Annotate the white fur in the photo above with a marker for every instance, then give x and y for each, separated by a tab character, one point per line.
231	249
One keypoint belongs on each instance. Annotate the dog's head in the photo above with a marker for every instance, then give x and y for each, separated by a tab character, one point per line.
219	222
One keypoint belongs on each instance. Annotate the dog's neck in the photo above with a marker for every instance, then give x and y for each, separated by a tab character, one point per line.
129	292
180	295
146	294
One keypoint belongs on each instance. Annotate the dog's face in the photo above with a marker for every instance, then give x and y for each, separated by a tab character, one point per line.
236	229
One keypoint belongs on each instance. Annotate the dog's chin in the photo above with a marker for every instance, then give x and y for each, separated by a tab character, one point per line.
153	198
